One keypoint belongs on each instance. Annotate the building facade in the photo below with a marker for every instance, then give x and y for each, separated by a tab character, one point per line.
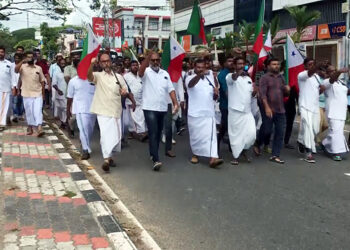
145	26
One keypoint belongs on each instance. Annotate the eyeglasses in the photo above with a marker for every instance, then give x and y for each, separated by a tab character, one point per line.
155	60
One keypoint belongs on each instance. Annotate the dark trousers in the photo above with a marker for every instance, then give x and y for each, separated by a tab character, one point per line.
278	122
223	127
17	105
47	97
155	122
291	111
168	128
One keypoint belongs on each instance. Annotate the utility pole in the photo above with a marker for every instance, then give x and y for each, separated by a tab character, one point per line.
27	20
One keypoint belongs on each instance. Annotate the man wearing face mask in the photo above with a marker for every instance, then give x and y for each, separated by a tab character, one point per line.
156	89
43	64
33	89
60	85
106	104
7	84
310	87
70	71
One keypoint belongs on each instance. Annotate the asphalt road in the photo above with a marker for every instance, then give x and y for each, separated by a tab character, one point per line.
259	205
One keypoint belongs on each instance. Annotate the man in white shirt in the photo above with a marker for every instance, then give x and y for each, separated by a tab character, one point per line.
79	98
336	108
106	104
134	82
54	68
241	122
156	89
310	86
17	102
7	84
202	90
60	85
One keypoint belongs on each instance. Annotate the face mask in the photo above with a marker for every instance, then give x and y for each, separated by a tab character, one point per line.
76	62
31	62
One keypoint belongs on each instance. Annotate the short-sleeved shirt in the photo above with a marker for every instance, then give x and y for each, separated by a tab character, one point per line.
82	92
271	87
32	77
107	98
7	76
135	85
223	88
240	93
309	91
44	66
200	97
58	80
70	71
336	99
155	90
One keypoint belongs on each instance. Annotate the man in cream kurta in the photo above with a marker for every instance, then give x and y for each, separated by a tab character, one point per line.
106	104
202	90
241	122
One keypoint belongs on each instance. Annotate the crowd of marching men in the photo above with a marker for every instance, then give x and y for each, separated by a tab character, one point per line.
137	98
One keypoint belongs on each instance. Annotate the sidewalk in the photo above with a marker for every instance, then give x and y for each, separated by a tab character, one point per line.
48	202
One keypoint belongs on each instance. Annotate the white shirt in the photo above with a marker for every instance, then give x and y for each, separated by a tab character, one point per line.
82	92
16	76
309	93
240	93
179	89
155	90
135	85
7	76
200	97
58	80
336	100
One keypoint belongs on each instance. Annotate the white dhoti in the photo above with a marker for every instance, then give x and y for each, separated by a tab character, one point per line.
53	98
86	124
138	119
4	108
335	142
33	107
111	134
241	131
61	109
203	138
256	113
126	121
309	128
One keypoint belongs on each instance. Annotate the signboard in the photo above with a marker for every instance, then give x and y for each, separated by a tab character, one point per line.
332	30
98	26
308	35
141	3
280	4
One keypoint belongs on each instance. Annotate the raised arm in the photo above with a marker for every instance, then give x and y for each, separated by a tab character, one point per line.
19	65
144	65
90	75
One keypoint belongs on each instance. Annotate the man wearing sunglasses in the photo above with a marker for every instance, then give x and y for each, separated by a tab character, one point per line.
156	89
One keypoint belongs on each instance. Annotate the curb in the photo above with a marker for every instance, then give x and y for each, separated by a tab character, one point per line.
105	218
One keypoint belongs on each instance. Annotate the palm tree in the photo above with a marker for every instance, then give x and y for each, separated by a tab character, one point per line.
246	31
302	18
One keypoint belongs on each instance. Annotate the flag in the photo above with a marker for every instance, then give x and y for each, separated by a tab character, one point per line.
263	55
172	58
259	37
268	42
196	24
294	63
91	48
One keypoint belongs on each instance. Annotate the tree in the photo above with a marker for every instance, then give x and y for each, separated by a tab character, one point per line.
50	36
6	38
246	31
28	44
55	9
302	18
23	34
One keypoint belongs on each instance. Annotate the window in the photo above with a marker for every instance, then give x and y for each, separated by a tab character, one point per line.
216	31
166	25
153	24
153	44
138	23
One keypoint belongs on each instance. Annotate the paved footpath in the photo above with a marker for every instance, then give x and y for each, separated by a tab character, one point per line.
47	201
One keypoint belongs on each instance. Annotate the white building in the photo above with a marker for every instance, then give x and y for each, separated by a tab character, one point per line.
151	25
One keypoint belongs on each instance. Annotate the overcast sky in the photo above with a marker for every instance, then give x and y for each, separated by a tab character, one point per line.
76	18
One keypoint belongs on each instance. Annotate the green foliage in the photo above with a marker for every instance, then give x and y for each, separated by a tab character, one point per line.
228	42
54	9
275	25
24	34
302	18
50	36
28	44
246	32
6	39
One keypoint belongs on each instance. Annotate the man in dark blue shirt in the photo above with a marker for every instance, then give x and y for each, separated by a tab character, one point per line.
228	67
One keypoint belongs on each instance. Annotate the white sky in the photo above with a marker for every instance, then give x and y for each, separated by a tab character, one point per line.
76	18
